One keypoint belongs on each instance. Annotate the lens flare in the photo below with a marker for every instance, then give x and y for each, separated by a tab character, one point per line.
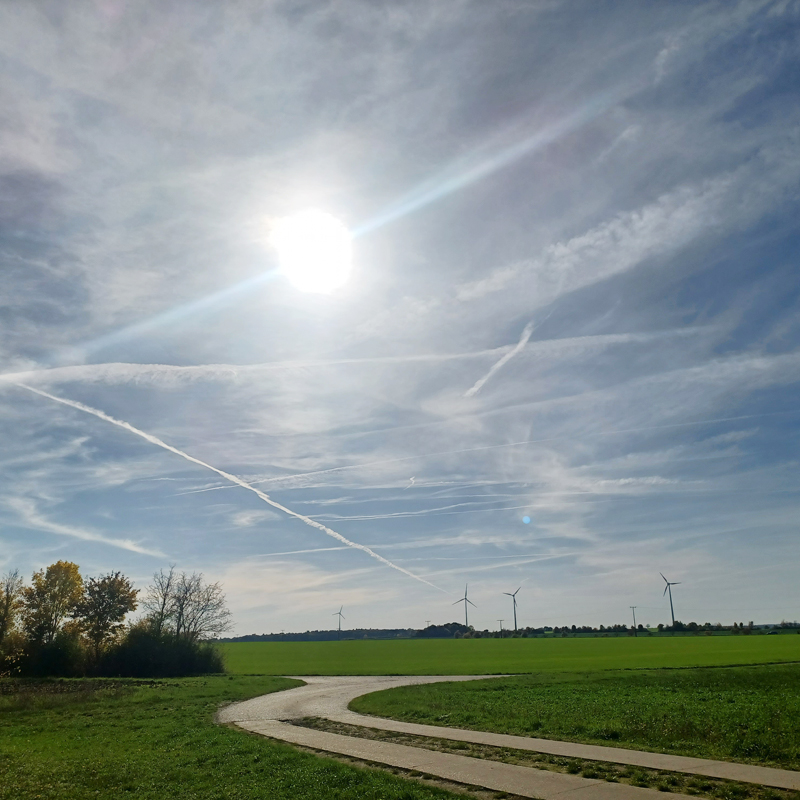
315	251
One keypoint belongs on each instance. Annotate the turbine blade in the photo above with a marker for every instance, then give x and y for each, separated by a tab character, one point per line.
471	603
508	593
515	593
665	589
458	601
662	575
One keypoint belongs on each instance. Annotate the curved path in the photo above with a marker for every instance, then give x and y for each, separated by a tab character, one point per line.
328	698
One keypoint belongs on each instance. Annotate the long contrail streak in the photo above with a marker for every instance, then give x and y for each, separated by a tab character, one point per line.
227	476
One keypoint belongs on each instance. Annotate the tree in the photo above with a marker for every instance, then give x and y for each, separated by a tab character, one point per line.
103	607
184	606
199	610
10	602
159	599
50	600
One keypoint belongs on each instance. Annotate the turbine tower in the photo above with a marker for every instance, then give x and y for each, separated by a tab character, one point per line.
668	588
465	600
513	596
341	617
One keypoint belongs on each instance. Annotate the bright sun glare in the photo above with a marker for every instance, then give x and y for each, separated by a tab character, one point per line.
314	250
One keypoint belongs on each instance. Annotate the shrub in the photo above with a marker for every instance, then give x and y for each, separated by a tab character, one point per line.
144	653
64	656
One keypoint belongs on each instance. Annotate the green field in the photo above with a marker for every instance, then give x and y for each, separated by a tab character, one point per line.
156	740
496	656
747	714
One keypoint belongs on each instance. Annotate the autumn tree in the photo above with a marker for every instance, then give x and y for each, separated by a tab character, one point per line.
50	601
103	607
10	602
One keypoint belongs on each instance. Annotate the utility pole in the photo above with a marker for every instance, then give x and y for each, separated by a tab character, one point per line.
633	608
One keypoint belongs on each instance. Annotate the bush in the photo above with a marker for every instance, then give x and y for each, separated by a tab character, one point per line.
143	653
64	656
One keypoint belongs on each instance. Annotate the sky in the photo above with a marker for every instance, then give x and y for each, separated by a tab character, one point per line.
573	301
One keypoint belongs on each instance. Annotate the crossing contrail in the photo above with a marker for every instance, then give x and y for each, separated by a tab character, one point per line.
523	340
226	475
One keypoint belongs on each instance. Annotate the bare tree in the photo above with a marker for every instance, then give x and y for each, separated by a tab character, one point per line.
185	590
158	602
10	601
207	615
200	609
187	607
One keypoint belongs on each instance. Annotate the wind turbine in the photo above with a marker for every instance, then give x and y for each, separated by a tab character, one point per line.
668	588
513	596
341	617
465	600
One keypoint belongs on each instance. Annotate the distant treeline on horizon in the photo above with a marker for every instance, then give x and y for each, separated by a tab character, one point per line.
458	631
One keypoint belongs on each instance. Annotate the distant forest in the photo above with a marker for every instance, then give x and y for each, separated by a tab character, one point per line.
455	630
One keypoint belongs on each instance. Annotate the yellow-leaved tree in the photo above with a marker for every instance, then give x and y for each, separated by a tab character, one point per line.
10	602
50	601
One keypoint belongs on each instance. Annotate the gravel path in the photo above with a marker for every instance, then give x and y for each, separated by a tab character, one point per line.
328	697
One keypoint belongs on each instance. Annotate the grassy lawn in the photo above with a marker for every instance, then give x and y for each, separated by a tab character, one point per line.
493	656
747	714
157	739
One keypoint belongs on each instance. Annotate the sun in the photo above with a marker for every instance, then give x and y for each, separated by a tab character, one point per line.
315	250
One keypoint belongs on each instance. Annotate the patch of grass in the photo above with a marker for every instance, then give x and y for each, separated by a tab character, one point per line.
494	656
747	714
155	740
711	788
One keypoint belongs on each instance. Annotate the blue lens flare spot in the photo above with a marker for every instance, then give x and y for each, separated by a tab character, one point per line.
526	520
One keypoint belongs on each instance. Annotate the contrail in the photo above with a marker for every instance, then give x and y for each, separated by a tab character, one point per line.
375	464
526	334
613	432
227	476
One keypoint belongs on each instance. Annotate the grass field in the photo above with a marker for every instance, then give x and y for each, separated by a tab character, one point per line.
747	714
495	656
155	740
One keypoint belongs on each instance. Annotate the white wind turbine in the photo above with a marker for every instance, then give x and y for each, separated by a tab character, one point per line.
465	600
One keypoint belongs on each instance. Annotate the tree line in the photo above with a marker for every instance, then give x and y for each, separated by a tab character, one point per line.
62	625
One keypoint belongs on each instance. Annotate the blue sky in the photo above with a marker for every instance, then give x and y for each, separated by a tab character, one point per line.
574	298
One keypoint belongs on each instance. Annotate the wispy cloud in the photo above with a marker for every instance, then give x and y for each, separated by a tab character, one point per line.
629	181
173	375
228	476
31	517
